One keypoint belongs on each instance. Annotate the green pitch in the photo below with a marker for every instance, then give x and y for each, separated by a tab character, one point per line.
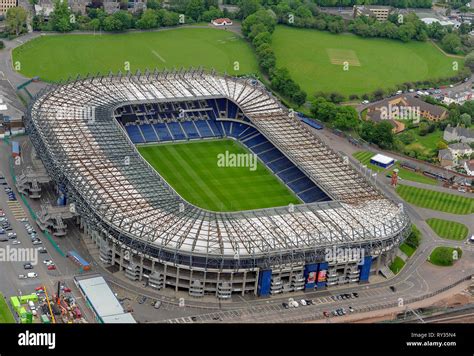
430	199
56	57
193	170
448	229
315	61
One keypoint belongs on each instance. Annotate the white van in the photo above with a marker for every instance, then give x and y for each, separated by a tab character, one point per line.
32	275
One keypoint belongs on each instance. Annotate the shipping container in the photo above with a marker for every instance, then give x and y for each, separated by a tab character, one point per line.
77	259
15	149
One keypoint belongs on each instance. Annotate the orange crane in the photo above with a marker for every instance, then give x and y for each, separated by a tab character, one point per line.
53	320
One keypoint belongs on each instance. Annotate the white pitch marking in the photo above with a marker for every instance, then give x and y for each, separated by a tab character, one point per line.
159	57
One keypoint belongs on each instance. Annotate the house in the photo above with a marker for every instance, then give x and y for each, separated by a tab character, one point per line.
469	167
446	158
458	133
222	22
460	149
381	13
7	4
405	107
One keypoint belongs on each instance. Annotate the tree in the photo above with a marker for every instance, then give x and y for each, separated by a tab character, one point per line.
16	20
194	9
211	14
112	24
469	62
465	119
441	145
299	97
148	20
248	7
153	4
261	17
346	118
451	43
61	17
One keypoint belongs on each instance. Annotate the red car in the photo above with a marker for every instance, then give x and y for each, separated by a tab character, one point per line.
67	290
39	288
326	314
51	267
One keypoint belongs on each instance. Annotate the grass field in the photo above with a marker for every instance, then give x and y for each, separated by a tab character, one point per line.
314	59
397	265
56	57
440	201
446	229
192	170
6	315
407	249
404	173
443	256
364	158
426	145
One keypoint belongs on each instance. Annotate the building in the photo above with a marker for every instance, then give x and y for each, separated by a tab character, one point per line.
382	161
102	301
7	4
430	20
11	111
405	107
166	242
380	12
460	149
469	167
458	98
222	22
458	133
446	158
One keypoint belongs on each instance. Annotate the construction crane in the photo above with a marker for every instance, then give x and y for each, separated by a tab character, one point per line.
53	319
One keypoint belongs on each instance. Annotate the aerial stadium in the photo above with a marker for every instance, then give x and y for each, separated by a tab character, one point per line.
89	134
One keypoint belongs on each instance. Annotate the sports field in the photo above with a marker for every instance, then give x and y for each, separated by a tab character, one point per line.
194	170
315	61
56	57
430	199
448	229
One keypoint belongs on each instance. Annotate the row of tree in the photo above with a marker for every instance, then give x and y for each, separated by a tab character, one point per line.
258	28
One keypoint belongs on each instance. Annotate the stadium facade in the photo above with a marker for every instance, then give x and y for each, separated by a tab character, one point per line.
85	132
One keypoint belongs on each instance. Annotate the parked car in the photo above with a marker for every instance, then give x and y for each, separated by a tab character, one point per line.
27	266
351	309
22	276
303	302
47	262
157	304
355	294
42	250
393	289
32	275
309	301
37	242
51	267
326	314
16	242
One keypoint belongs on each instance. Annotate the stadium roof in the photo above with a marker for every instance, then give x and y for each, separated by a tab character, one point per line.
102	165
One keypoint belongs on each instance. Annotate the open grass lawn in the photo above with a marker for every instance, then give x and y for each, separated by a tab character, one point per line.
407	174
397	265
448	229
407	249
192	170
426	145
364	158
56	57
314	59
6	315
443	256
440	201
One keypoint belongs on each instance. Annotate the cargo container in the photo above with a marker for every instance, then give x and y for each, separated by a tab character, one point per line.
77	259
15	149
15	304
29	297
